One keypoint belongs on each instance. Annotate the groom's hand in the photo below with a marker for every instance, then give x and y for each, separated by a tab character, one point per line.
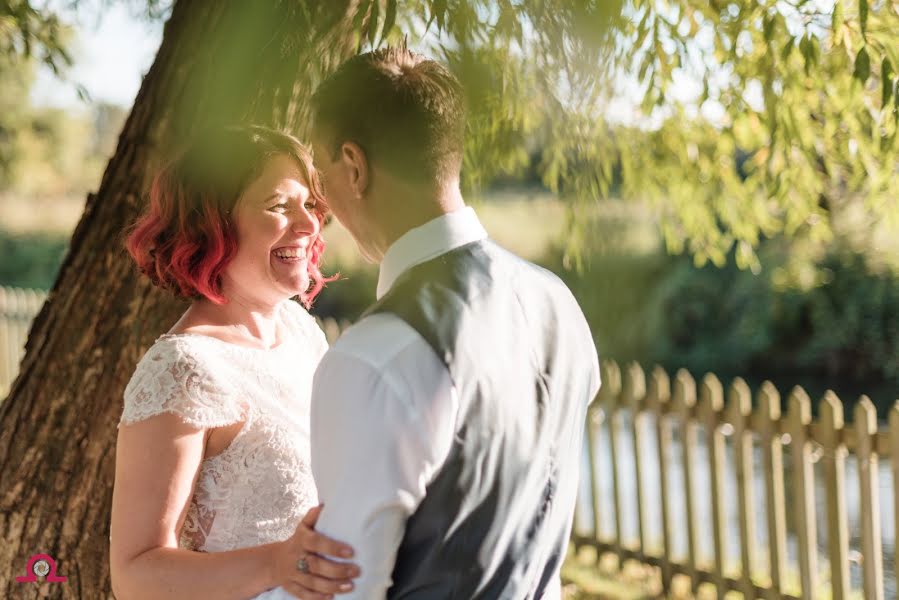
301	566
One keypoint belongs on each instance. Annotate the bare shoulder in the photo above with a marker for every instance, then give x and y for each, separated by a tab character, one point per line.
201	321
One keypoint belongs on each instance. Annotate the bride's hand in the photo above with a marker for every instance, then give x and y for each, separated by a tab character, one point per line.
302	569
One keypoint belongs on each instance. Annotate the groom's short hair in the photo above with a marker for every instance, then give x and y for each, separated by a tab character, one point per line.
403	109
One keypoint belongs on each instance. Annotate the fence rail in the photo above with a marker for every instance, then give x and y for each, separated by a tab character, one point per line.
617	422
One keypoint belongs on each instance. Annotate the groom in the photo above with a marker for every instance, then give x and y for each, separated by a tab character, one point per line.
447	423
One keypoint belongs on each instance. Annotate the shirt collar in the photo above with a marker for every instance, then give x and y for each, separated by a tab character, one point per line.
437	236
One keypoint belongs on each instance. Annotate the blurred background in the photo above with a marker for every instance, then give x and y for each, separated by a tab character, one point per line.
716	181
822	311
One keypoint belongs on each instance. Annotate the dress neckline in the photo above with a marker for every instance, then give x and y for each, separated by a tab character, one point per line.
284	342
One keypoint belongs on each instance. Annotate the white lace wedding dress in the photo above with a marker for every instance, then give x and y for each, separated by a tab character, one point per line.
257	489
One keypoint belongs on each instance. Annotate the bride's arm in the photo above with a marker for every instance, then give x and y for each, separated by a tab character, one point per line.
157	462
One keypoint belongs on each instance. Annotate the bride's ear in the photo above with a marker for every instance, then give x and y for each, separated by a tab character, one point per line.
356	164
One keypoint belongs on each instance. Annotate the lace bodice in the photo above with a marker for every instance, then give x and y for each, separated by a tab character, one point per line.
257	489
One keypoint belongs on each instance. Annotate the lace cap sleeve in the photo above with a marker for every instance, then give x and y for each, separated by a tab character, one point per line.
308	327
172	377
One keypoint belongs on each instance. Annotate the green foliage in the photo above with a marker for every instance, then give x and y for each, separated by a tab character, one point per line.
15	81
801	97
850	324
794	85
30	261
710	319
797	115
47	151
347	297
819	320
844	331
52	152
30	32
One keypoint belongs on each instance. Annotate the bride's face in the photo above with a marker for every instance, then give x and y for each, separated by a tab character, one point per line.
276	221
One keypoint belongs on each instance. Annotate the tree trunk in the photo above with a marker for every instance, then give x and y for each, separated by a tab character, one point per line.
218	62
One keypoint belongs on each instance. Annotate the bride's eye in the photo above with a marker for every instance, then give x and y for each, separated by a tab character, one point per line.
310	205
279	208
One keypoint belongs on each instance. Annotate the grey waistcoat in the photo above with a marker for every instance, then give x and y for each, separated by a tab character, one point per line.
496	519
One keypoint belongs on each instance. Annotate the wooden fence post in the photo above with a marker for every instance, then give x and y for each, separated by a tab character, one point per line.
865	419
740	407
21	321
612	402
18	308
711	403
592	424
634	398
798	419
683	403
658	399
834	463
772	458
6	372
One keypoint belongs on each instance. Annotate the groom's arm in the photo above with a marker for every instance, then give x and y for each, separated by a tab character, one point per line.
383	414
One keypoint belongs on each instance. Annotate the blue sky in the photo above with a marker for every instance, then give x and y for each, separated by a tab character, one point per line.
112	51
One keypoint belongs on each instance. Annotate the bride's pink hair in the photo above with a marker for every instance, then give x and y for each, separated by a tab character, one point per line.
186	237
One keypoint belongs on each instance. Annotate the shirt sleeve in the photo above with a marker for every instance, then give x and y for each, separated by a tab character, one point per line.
379	433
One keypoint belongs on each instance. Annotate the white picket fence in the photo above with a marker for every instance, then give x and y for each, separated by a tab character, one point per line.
18	308
679	469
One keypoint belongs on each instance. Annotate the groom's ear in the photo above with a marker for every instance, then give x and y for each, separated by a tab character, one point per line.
356	164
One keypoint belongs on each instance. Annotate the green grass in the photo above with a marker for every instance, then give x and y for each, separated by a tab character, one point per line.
588	577
584	577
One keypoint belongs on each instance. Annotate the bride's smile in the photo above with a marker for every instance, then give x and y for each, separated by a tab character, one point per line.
277	221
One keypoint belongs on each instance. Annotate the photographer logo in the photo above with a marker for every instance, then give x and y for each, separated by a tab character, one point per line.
41	565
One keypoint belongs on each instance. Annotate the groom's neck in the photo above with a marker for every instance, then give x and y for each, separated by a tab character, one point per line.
409	207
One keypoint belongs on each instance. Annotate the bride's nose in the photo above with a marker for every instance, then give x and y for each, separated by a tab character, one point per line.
306	222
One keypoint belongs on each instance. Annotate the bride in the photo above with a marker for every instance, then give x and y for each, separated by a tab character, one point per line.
213	495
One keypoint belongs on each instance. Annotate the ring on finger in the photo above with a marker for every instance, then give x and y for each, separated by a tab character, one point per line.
303	565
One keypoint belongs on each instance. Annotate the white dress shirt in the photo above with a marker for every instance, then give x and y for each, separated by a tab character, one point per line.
383	418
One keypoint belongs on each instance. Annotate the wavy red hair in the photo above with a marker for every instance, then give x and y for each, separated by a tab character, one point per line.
186	237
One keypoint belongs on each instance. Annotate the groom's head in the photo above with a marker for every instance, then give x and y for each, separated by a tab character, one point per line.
388	129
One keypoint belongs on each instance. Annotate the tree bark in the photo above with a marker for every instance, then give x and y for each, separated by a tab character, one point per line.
219	62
